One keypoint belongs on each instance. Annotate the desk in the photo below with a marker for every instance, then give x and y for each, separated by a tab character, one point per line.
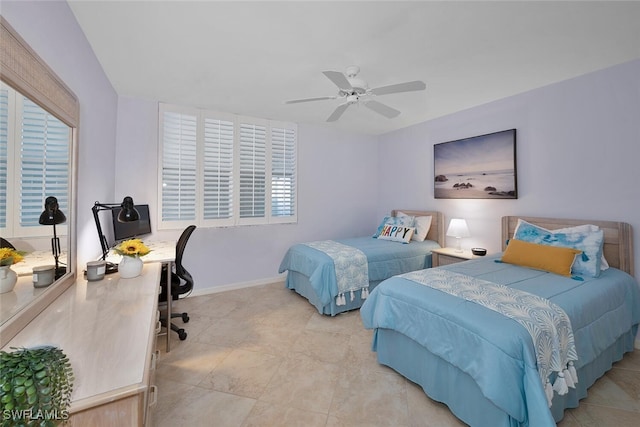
163	252
107	329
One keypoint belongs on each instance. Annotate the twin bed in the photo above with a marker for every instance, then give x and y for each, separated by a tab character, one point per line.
488	367
312	273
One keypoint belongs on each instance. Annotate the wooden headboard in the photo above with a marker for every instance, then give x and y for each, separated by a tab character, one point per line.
436	231
618	236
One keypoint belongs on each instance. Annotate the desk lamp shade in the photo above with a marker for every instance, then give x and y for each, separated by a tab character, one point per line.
128	213
458	229
52	215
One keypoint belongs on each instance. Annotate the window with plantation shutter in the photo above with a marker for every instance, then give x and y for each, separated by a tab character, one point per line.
44	162
283	172
34	147
238	171
253	140
179	166
4	163
218	169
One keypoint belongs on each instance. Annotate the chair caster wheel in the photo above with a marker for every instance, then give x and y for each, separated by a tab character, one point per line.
182	335
185	317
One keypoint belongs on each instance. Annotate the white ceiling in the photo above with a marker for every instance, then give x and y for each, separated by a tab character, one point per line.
249	57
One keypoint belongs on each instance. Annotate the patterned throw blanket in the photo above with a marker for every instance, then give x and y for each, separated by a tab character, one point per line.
351	268
548	325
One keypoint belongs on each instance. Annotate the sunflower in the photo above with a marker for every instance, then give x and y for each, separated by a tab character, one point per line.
10	256
132	247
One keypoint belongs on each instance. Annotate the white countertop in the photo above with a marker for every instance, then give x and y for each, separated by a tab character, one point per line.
104	328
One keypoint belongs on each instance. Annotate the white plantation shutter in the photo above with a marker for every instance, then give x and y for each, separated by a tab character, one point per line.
253	152
218	169
283	171
179	166
4	161
44	162
34	150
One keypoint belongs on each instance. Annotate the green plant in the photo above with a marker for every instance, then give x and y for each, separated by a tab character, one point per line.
35	386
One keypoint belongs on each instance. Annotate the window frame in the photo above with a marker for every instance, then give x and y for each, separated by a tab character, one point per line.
234	219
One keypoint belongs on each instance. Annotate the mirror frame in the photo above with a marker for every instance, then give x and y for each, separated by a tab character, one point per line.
22	69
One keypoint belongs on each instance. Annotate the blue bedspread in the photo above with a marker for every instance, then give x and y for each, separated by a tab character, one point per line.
385	259
494	350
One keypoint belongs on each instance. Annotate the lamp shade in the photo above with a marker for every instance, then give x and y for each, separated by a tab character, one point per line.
458	228
52	214
128	213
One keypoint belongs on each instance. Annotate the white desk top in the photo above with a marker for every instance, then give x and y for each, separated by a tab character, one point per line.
36	259
104	328
161	251
24	292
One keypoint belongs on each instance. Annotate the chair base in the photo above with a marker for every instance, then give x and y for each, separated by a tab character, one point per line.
182	334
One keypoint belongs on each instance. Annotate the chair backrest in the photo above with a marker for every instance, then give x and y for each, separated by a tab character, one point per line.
180	270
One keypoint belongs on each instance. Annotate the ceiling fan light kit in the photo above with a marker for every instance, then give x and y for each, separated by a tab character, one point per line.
352	90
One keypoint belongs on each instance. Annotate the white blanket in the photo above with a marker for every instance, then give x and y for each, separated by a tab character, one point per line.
547	323
351	267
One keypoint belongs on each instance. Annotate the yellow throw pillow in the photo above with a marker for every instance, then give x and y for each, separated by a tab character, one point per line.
554	259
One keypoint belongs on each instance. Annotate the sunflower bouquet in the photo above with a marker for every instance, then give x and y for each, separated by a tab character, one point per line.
133	248
9	256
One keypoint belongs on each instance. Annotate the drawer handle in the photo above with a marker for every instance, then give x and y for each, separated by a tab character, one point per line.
154	391
155	356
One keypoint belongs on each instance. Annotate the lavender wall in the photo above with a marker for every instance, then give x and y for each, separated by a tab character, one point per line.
337	198
51	30
578	154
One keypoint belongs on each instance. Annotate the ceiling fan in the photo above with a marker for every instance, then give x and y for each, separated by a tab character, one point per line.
354	90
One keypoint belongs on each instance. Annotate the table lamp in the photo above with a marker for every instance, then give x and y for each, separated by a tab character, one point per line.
52	215
458	229
128	213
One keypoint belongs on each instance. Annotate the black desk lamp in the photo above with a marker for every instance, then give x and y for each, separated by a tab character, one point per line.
128	214
52	215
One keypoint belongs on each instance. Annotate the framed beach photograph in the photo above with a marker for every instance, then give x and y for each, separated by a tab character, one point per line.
480	167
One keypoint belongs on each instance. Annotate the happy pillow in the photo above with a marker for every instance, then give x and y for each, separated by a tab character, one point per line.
554	259
586	238
405	221
396	233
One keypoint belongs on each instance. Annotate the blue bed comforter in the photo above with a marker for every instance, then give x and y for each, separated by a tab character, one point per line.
494	350
385	259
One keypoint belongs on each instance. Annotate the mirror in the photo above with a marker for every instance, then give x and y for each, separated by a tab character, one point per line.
28	75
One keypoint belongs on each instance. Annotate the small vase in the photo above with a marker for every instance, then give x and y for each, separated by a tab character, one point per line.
8	279
130	267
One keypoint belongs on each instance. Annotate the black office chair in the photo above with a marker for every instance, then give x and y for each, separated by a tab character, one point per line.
178	288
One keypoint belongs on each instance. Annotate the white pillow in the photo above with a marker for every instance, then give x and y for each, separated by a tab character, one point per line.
396	233
422	225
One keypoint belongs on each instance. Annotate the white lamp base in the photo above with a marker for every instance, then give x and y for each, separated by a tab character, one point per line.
458	247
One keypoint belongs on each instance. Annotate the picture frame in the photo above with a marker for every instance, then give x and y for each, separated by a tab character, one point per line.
479	167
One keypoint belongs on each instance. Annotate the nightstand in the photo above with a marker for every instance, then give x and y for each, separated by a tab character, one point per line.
446	256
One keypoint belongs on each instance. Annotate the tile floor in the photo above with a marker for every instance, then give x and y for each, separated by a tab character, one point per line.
263	356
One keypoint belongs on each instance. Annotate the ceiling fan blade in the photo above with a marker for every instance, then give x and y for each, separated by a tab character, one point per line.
338	112
400	87
380	108
339	80
320	98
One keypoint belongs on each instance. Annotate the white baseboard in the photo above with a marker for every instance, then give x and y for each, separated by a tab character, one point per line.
235	286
